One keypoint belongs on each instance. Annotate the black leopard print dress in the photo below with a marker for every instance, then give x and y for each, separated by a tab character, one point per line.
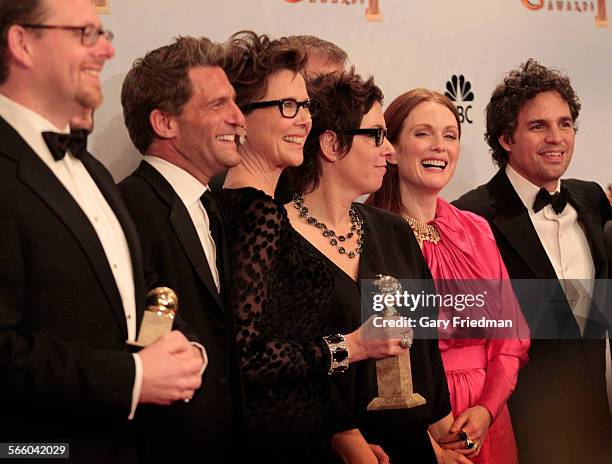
281	292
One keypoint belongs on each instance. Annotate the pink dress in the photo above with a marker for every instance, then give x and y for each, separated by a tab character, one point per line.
479	371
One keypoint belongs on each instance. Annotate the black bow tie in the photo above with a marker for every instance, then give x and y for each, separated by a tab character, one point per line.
58	144
557	200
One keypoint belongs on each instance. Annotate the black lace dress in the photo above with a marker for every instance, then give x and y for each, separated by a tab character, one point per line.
281	293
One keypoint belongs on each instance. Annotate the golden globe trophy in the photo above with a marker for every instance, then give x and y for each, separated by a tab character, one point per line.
162	305
394	374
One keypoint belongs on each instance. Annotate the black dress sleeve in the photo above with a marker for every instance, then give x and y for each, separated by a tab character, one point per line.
256	253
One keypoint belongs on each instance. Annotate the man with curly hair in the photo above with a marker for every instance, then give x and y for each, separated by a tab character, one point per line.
550	232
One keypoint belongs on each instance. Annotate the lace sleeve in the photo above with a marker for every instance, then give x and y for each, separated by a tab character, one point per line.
258	259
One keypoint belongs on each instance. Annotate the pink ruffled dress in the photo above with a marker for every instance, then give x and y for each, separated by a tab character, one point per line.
479	371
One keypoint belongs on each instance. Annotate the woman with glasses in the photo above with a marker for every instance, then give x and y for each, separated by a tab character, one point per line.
281	287
481	373
345	156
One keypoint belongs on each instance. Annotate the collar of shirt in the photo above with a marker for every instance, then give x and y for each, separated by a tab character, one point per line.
525	189
188	188
30	126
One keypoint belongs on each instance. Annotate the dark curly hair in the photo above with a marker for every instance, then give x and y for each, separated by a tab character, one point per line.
344	98
510	96
250	59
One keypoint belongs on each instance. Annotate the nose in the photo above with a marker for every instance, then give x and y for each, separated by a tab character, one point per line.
104	49
303	116
388	149
554	135
236	116
437	143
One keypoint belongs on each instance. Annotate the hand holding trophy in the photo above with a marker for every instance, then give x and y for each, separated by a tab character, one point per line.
171	364
394	374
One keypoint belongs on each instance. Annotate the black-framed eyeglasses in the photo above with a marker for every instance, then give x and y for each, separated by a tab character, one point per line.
379	133
288	107
89	34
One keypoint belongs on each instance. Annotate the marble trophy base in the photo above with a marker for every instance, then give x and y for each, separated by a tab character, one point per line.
154	325
394	378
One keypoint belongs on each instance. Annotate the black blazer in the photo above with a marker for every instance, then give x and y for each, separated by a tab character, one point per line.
65	374
559	408
210	426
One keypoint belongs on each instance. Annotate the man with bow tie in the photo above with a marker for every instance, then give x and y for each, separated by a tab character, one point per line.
550	232
71	277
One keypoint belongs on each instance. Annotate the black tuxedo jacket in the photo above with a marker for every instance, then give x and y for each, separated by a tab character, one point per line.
559	408
65	376
209	428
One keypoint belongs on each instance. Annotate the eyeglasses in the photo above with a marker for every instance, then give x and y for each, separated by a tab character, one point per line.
379	133
288	107
89	34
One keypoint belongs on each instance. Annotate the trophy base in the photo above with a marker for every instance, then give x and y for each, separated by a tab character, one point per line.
373	16
396	402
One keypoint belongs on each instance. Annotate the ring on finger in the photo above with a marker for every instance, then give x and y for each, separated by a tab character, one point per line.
469	444
405	342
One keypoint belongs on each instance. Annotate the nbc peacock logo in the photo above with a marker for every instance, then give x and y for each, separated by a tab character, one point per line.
459	90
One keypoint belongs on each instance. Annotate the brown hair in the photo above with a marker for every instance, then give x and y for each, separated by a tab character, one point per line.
161	81
16	12
250	59
344	98
510	96
322	48
388	196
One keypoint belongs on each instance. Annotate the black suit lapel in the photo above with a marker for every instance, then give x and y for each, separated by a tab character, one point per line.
36	175
593	227
512	220
182	225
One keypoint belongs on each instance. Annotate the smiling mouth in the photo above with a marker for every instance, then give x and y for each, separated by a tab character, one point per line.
293	139
553	155
434	164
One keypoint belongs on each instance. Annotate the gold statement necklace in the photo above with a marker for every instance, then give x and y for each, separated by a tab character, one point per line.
423	232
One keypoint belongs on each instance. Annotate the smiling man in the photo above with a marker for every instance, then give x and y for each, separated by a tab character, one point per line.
71	278
180	113
550	230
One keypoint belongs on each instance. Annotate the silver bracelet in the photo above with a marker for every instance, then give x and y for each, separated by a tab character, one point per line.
338	353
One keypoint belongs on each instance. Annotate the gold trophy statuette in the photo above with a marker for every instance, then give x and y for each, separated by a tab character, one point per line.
394	374
162	305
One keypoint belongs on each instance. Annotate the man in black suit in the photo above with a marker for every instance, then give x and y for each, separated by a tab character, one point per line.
550	232
180	113
71	279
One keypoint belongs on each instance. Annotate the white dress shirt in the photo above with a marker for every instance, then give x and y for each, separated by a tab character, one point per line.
71	172
190	190
565	242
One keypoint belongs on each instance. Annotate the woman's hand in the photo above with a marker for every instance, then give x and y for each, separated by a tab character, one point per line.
372	342
352	448
445	456
475	422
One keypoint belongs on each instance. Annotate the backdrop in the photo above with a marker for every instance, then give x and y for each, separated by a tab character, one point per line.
463	47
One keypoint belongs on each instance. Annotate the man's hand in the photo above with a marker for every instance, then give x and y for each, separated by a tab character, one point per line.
171	370
380	454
